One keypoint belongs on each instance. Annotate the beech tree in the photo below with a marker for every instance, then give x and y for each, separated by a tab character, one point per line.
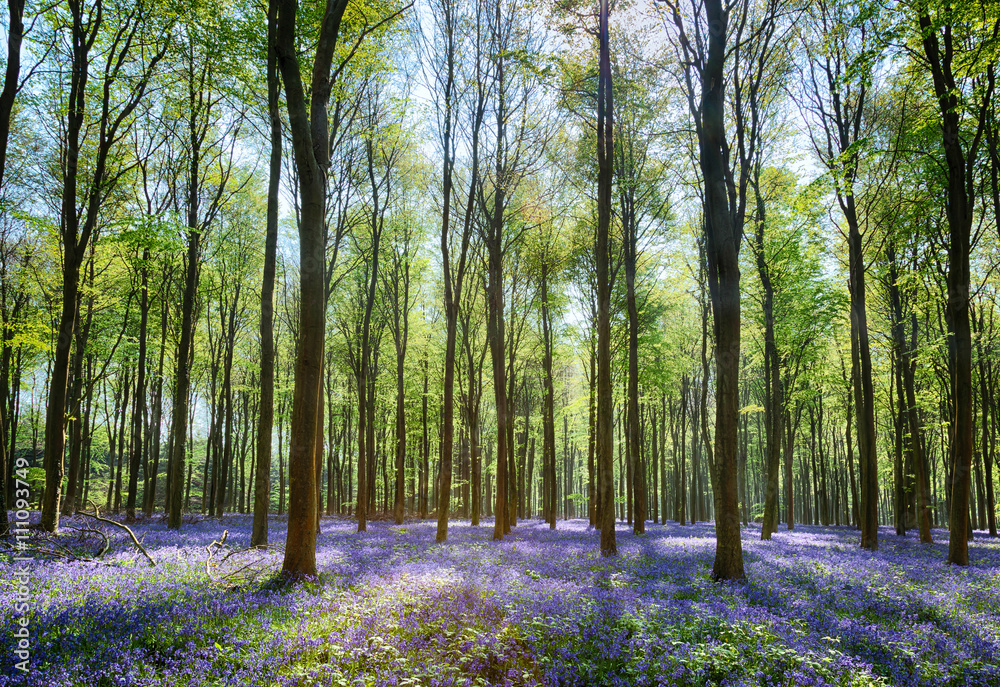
121	41
708	36
151	153
452	62
952	38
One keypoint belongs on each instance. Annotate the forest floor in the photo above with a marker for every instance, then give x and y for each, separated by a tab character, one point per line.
392	607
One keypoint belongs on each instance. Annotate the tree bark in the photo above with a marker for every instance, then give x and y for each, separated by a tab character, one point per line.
12	76
723	241
773	410
309	125
265	423
959	164
634	457
605	176
139	412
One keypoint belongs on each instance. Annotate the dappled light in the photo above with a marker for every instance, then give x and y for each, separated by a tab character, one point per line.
392	607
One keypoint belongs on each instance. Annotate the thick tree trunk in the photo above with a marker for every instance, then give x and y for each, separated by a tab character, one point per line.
723	242
960	213
309	126
12	77
76	236
605	175
73	252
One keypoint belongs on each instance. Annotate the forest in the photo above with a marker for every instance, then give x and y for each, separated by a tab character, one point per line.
499	342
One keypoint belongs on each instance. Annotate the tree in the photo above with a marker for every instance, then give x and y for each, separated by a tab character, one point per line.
445	73
838	98
130	49
262	478
400	305
708	36
963	93
605	179
520	140
12	80
641	202
309	128
208	167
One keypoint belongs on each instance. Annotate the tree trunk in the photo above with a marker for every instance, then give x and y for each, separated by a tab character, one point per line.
139	412
73	252
11	82
773	410
958	164
265	423
74	403
605	175
309	126
634	457
723	236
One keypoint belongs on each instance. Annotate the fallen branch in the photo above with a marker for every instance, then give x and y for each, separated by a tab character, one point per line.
135	541
211	548
255	549
104	547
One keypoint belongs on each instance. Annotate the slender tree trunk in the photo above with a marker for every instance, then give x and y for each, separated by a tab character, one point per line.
12	76
265	423
498	353
182	379
773	411
157	413
987	443
139	412
123	440
548	404
591	437
634	457
400	439
453	275
223	495
74	403
425	449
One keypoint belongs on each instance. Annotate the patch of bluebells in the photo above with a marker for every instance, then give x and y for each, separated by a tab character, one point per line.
392	607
